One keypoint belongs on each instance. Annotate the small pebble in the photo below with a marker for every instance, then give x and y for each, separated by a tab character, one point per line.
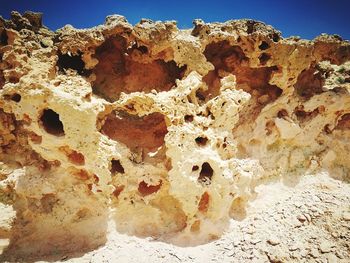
332	258
326	247
301	218
346	216
273	241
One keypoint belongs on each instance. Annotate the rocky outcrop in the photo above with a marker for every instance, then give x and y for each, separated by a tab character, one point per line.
164	132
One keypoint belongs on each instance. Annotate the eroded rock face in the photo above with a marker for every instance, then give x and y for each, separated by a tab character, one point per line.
164	131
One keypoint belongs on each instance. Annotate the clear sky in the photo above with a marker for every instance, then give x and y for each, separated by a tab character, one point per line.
305	18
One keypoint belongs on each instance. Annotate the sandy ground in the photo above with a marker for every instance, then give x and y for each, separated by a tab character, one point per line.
306	222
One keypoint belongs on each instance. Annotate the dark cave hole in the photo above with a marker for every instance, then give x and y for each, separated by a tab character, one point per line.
195	168
188	118
75	62
263	58
16	97
264	45
51	122
201	141
116	167
4	38
205	174
276	37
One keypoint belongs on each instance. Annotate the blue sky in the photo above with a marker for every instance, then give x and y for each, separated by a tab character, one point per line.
306	18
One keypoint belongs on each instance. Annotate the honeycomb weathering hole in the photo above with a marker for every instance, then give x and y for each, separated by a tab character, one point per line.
68	61
16	97
145	132
146	189
201	141
232	59
118	72
344	122
206	173
51	122
73	156
264	45
309	83
116	167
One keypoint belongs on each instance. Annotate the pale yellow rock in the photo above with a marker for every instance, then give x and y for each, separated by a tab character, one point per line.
161	131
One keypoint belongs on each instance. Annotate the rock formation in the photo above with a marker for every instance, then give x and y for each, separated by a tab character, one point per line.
165	132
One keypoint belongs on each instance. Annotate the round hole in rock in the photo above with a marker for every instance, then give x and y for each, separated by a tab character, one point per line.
16	97
275	37
264	45
206	173
51	122
188	118
201	141
116	167
263	58
75	62
195	168
282	113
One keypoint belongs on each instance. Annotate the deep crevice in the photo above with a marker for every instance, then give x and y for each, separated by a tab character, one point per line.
4	38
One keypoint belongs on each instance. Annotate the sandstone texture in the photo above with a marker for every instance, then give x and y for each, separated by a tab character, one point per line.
167	134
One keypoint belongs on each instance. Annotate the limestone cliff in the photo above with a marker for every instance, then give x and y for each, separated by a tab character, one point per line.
164	131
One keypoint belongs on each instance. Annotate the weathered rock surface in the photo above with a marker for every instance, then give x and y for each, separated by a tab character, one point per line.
164	132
